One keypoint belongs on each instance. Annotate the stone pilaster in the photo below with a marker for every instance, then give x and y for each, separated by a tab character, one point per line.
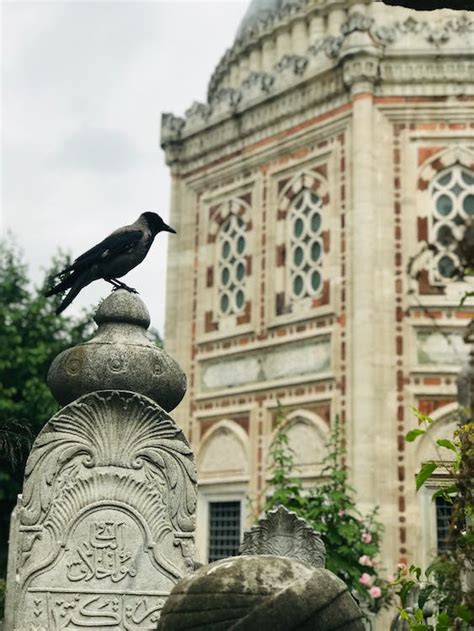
360	72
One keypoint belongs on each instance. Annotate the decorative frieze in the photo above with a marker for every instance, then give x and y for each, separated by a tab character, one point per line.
297	359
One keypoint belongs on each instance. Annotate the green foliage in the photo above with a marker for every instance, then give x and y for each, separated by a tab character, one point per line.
31	335
445	582
155	337
352	541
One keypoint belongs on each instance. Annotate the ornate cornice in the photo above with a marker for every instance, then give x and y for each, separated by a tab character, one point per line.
225	134
403	52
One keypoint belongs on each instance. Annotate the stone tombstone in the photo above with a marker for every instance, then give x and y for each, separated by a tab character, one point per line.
105	526
279	582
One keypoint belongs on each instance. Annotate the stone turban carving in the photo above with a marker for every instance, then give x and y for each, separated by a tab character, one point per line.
256	593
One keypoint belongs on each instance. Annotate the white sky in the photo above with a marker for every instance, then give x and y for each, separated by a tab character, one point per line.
83	88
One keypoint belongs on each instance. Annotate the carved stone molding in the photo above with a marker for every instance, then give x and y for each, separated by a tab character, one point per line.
296	64
330	45
105	525
356	22
256	84
282	533
361	68
171	127
360	37
437	35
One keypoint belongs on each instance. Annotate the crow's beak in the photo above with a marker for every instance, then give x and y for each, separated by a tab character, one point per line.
168	229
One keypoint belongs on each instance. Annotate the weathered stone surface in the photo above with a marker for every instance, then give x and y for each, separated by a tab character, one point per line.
255	593
119	356
282	533
104	528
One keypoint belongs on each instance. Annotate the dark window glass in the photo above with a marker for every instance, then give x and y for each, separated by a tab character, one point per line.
224	530
444	510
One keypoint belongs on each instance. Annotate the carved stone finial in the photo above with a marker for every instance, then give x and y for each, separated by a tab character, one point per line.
282	533
118	357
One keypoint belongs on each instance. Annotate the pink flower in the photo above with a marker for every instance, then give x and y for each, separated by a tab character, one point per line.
366	560
375	591
341	513
366	537
391	578
365	579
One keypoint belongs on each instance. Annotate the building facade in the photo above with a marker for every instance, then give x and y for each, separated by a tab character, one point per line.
337	138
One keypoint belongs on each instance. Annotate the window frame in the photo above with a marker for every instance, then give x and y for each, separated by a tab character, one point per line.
240	258
233	492
309	239
437	219
429	535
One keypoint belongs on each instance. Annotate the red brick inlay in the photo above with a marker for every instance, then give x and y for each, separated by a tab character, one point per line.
428	406
401	378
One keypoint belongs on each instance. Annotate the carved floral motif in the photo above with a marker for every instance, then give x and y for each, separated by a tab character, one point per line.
107	513
356	22
103	429
296	64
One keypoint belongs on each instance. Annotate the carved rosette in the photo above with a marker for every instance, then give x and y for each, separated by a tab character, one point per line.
282	533
104	528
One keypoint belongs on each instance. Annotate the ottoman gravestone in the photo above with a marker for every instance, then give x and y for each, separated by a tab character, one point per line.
278	583
105	526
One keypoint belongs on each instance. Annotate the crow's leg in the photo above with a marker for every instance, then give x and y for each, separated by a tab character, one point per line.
120	285
113	282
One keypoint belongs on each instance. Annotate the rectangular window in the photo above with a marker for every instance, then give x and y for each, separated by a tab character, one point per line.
224	530
444	511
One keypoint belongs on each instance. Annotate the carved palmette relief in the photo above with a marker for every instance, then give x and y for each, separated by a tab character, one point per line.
281	532
105	526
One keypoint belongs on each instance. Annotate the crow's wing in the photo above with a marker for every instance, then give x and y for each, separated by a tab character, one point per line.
113	245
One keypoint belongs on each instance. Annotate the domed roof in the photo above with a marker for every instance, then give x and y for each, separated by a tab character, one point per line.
260	10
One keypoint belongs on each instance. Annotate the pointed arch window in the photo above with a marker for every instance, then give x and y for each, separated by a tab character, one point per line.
452	193
305	246
231	267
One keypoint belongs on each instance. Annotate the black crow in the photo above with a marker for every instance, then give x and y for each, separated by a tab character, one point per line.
110	259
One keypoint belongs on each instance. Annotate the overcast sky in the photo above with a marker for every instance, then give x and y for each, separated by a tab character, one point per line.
83	88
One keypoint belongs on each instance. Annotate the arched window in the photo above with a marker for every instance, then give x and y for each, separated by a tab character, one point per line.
305	246
452	192
231	266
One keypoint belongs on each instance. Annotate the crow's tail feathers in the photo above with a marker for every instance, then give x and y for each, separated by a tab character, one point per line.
66	281
79	283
